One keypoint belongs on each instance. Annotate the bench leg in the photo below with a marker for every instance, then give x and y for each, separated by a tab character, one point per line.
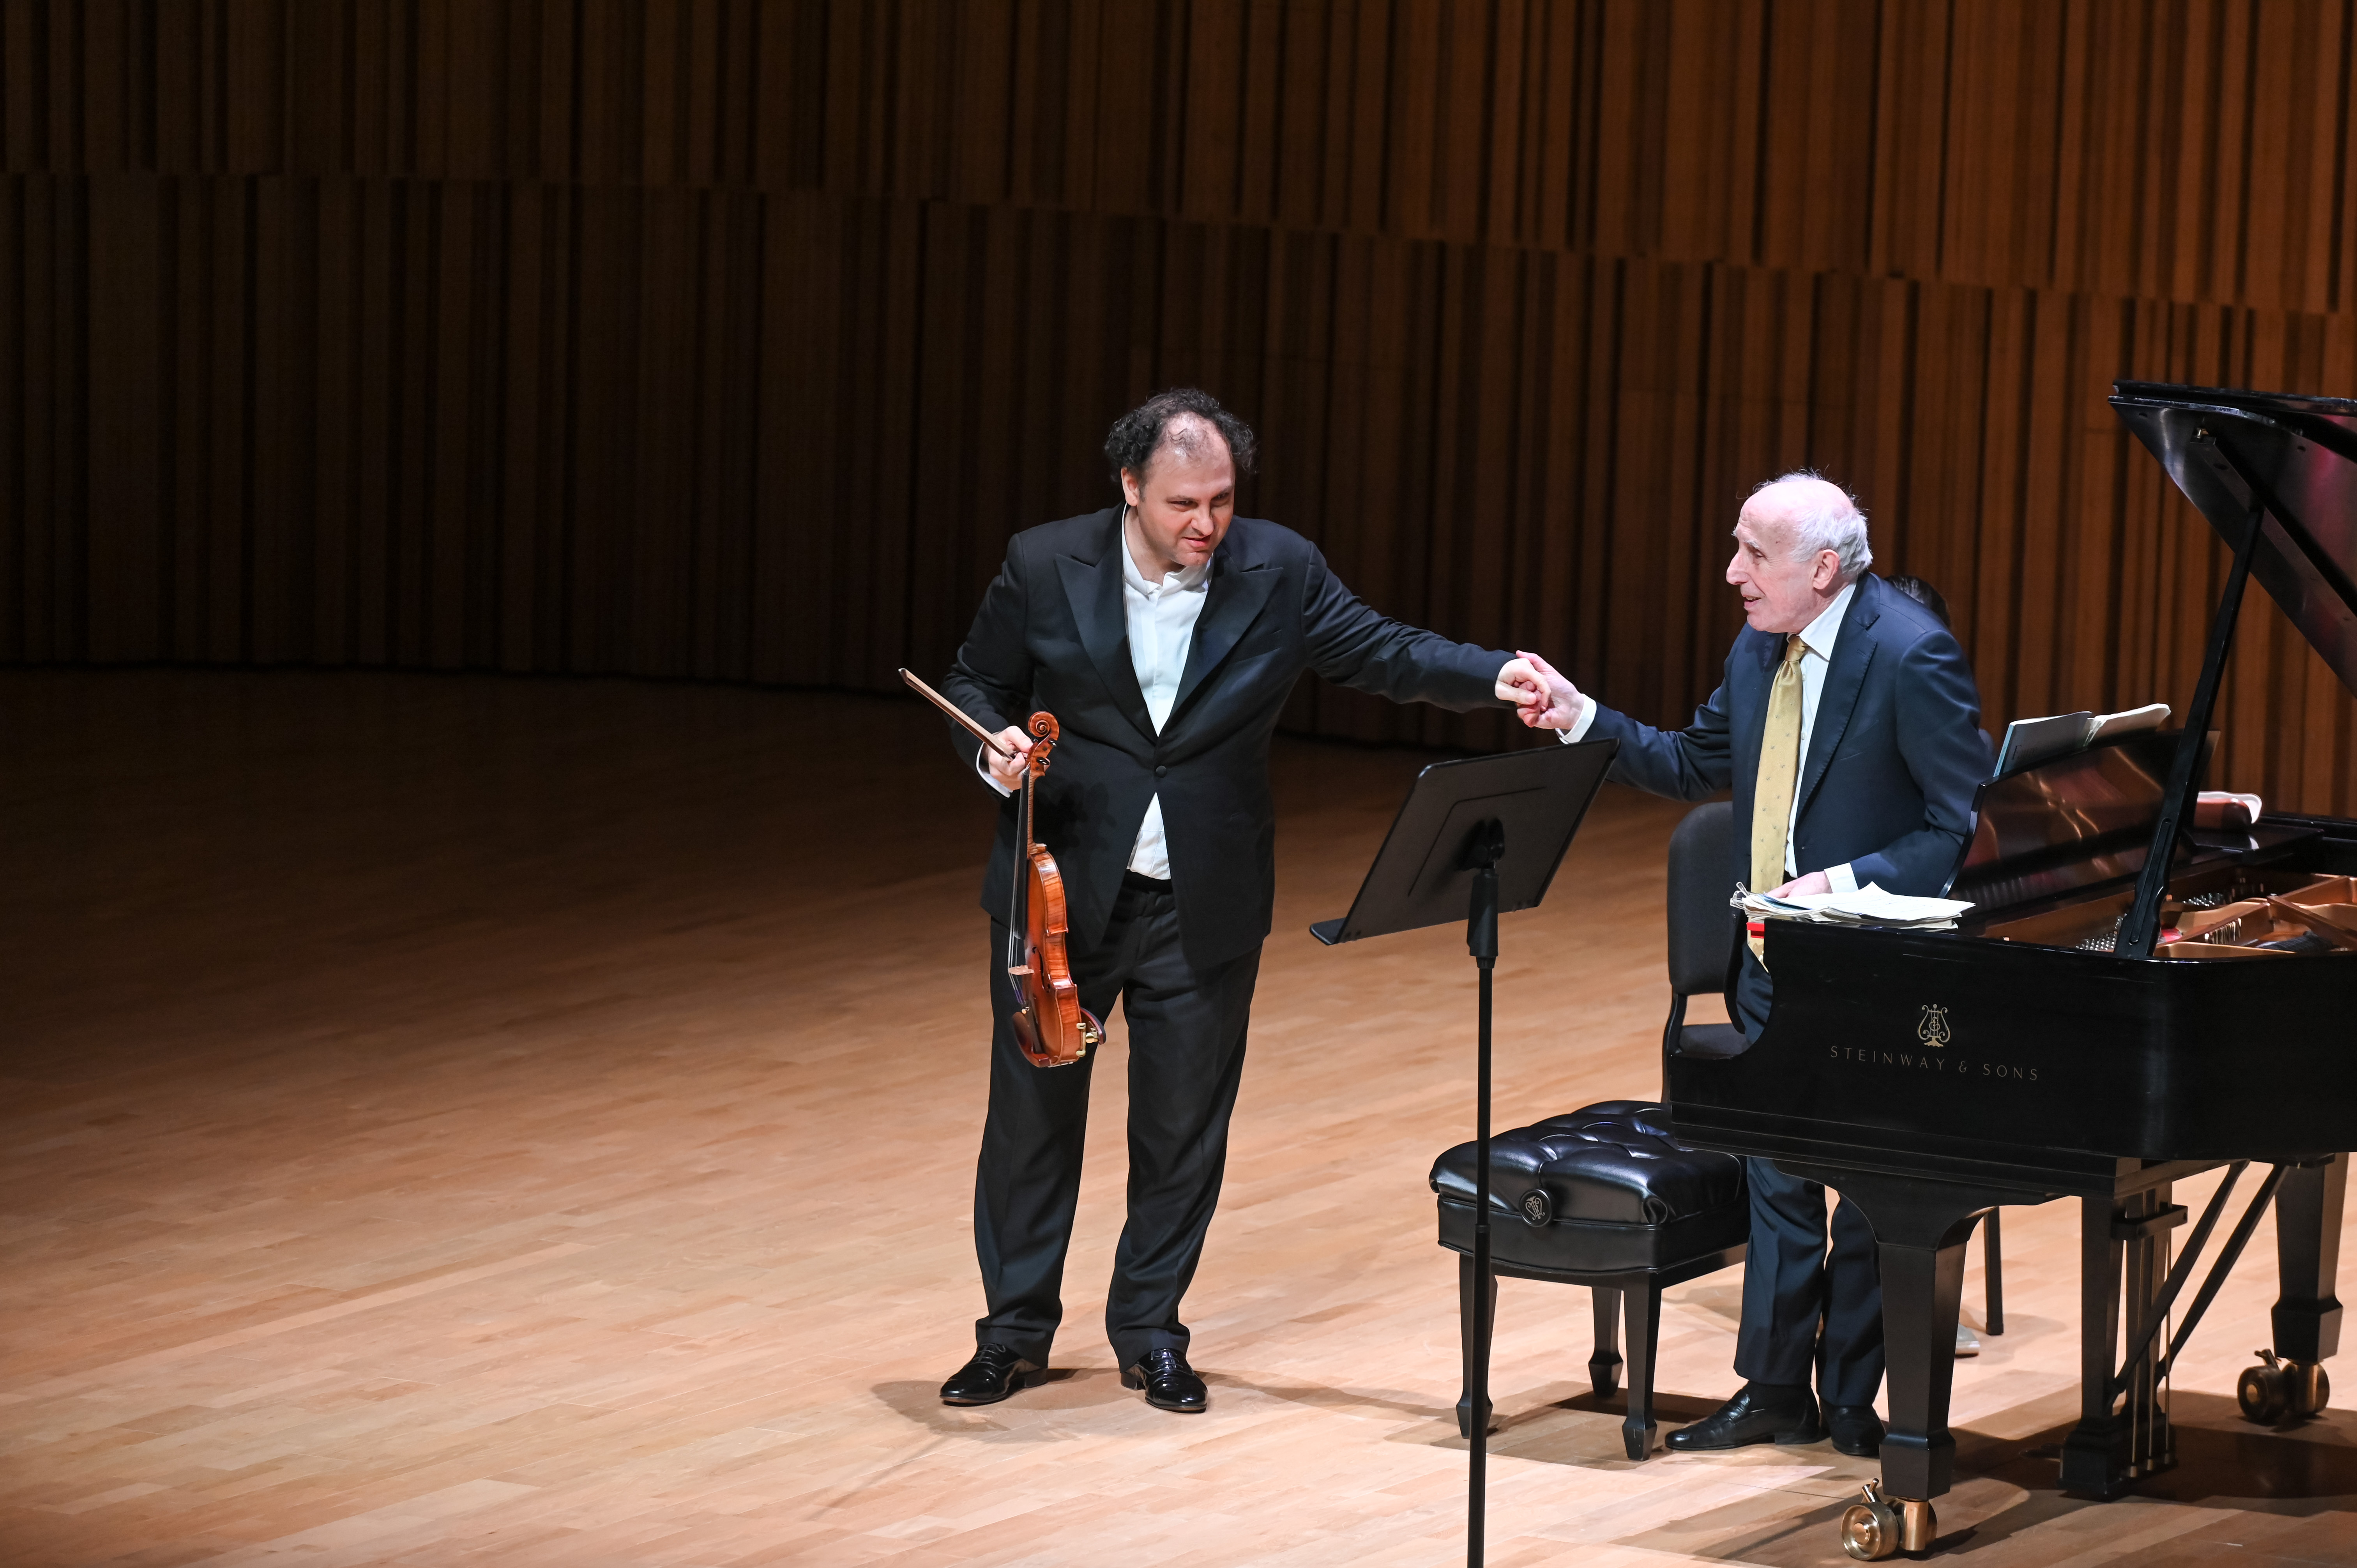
1993	1265
1466	1307
1604	1367
1643	1304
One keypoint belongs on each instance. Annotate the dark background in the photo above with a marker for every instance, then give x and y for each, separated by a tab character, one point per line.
725	340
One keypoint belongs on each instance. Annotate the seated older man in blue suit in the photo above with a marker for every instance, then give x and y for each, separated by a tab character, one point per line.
1846	724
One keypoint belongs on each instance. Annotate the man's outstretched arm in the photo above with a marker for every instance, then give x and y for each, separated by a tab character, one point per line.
1352	644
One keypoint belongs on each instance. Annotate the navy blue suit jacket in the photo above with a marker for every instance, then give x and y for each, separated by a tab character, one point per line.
1894	756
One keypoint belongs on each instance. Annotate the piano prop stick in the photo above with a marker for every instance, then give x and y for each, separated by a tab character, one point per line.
1475	839
2142	930
2053	1048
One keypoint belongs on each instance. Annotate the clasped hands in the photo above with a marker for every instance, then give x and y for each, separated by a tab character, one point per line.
1545	696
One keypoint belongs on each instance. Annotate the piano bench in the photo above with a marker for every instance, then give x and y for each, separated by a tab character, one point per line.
1602	1198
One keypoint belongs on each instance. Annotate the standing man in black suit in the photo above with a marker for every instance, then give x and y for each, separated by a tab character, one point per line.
1846	724
1164	634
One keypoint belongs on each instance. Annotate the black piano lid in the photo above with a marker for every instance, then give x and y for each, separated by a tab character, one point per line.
2271	473
2303	453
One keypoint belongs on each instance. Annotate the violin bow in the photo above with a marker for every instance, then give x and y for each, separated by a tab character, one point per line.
1015	893
957	713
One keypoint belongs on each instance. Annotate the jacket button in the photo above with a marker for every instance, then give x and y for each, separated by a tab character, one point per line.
1159	770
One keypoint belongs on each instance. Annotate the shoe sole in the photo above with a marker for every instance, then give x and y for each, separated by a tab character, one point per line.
1016	1385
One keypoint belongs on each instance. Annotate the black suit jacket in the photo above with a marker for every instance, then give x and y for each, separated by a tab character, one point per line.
1052	635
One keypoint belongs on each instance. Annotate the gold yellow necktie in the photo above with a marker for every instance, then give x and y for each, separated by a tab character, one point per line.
1780	766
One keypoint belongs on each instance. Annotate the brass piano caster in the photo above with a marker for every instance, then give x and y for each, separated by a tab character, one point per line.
1882	1527
2281	1390
1870	1529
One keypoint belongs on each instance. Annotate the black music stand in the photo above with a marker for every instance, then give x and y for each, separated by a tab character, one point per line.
1481	837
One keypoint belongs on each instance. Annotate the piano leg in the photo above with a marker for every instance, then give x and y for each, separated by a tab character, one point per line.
2091	1462
2306	1316
2308	1250
1920	1230
1923	1288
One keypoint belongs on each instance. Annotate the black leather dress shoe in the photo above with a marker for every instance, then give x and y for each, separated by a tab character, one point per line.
1856	1431
1762	1413
995	1372
1169	1382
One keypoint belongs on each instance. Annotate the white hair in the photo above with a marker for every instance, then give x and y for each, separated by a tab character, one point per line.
1838	526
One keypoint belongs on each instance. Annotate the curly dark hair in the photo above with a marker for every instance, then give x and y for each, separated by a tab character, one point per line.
1145	430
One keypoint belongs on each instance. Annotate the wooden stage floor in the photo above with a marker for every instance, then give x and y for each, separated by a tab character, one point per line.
458	1120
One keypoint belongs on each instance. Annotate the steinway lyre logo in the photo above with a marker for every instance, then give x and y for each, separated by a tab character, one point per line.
1933	1029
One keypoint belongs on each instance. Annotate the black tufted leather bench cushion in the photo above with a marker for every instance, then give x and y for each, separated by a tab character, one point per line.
1603	1189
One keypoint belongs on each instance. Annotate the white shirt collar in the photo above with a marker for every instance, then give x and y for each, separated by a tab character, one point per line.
1820	633
1192	577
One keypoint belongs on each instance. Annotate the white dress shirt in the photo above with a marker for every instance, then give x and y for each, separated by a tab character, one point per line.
1161	620
1817	641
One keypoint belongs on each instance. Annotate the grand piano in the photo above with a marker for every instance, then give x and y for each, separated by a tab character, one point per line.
2132	1000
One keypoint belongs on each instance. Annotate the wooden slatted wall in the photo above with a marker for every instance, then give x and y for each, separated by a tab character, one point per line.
729	338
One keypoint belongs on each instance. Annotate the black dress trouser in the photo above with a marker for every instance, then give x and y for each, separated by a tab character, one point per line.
1806	1308
1186	1057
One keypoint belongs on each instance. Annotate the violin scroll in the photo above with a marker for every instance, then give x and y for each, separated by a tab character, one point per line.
1043	731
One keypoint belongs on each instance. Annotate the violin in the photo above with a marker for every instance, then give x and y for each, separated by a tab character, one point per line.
1051	1024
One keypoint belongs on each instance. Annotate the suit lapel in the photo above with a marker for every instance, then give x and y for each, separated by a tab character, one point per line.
1845	677
1232	603
1093	589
